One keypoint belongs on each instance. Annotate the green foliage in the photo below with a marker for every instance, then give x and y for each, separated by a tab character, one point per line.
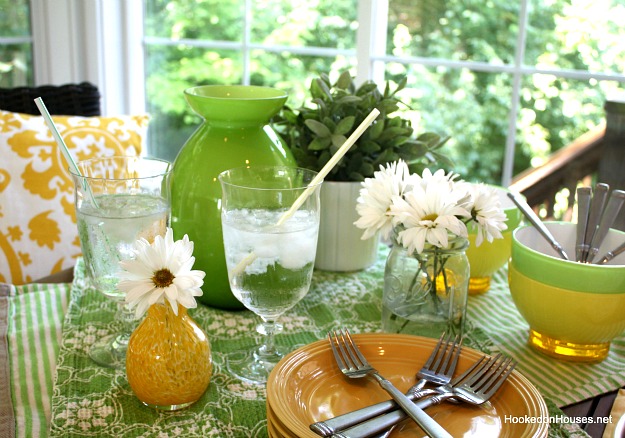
472	106
315	133
15	58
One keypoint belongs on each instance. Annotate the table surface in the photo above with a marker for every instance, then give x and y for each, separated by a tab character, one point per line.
52	325
595	407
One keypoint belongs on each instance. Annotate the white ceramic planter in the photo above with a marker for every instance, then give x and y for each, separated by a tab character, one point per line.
340	247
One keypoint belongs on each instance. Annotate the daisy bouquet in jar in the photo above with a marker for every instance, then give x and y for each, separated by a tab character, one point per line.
425	217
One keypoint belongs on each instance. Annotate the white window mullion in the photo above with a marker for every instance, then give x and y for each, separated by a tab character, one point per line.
120	45
89	31
515	100
247	31
371	40
135	57
55	49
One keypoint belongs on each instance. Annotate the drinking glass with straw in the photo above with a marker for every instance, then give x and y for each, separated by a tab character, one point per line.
333	161
118	200
270	222
132	203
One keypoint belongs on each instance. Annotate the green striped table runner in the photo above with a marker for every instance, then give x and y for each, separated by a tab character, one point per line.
32	316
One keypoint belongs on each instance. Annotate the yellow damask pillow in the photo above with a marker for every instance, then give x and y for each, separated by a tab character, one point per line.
38	234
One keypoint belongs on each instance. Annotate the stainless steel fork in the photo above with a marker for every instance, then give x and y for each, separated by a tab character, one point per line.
476	386
354	365
438	370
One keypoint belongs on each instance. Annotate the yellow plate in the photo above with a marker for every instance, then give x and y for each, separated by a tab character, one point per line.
306	386
275	428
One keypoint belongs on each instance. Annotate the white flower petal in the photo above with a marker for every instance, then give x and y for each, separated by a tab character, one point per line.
174	305
171	292
437	236
157	296
185	282
142	307
187	300
373	204
199	275
136	289
196	291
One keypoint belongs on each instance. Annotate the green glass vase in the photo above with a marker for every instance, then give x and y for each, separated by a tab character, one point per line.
235	133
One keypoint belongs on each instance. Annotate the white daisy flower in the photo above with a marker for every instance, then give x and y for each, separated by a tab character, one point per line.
487	213
428	214
376	194
161	271
438	177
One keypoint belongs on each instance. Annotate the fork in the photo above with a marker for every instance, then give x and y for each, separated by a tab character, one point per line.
475	386
438	369
354	365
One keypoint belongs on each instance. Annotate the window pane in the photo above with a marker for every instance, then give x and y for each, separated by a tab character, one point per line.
293	73
14	18
16	65
470	107
169	71
554	112
471	30
324	23
194	19
16	51
580	35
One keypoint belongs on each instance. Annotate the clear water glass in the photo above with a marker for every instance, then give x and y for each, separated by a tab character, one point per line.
270	252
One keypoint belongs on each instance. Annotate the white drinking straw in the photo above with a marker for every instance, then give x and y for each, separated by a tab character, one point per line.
59	140
248	259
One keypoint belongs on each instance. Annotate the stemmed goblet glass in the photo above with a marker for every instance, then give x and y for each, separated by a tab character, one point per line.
270	251
118	200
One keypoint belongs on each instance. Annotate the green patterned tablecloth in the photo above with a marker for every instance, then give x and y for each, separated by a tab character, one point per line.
88	400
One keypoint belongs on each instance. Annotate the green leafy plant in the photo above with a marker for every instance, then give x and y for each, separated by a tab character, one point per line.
315	133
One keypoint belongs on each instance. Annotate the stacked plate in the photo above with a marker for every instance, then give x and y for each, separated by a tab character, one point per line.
307	386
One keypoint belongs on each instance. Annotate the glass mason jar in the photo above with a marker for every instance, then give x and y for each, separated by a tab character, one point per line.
426	294
168	363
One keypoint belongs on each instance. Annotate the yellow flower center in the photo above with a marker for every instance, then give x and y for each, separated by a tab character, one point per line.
430	217
163	278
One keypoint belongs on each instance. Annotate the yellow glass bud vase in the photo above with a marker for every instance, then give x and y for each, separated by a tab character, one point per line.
168	363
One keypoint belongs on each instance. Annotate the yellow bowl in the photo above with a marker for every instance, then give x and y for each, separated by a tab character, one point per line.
489	257
574	310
